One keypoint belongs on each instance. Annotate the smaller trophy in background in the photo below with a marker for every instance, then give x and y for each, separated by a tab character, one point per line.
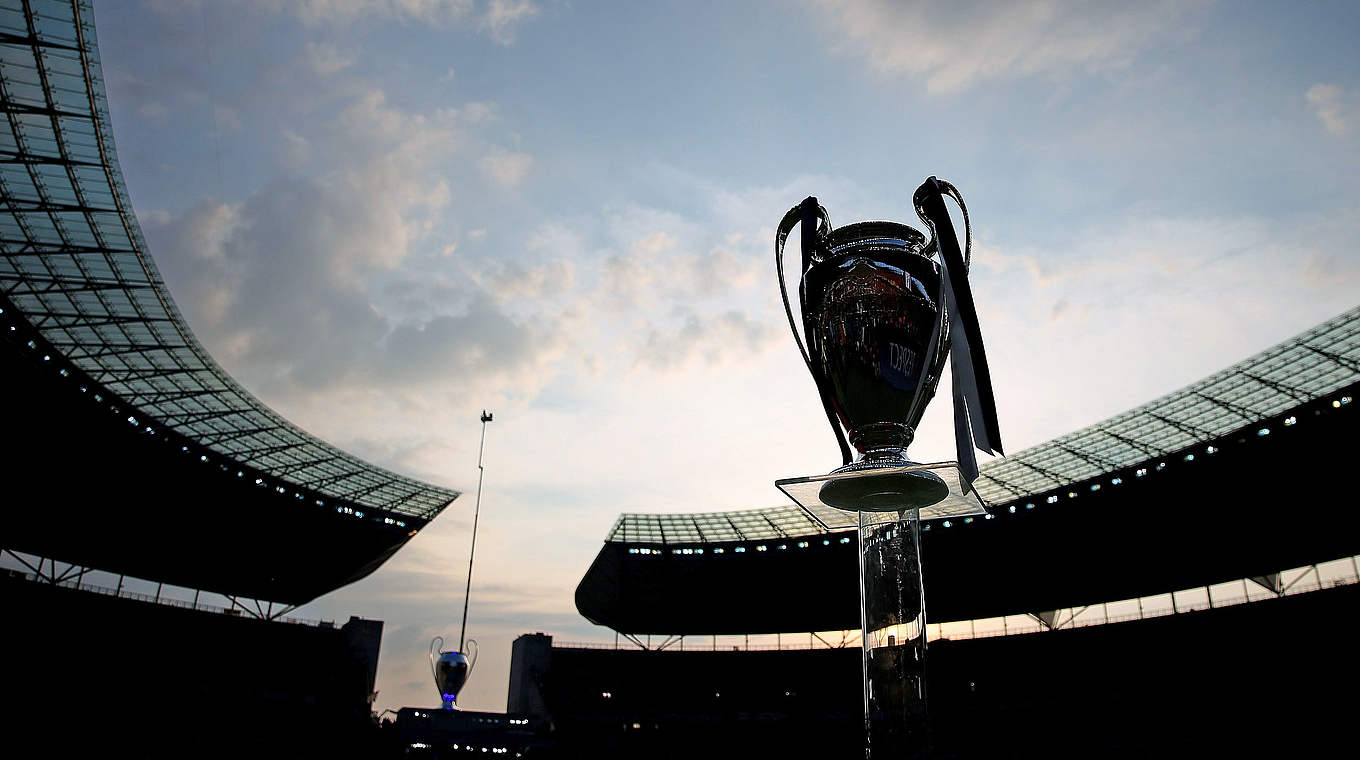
451	670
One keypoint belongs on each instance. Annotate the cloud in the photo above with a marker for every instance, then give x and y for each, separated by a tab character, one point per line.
497	19
1154	303
483	340
731	336
506	168
503	16
514	281
440	12
326	59
295	288
296	149
1331	107
955	45
153	112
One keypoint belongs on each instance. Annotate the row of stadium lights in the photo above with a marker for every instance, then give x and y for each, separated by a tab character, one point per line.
468	747
735	549
1140	472
99	398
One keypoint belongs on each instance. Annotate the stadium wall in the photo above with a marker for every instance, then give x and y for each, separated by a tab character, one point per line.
92	674
1269	677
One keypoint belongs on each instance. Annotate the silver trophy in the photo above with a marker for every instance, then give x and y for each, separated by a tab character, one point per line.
879	305
451	670
882	310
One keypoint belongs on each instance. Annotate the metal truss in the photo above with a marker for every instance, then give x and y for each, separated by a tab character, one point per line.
51	572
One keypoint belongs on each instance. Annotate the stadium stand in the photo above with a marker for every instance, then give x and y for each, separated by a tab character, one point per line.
133	455
1191	479
1176	581
152	460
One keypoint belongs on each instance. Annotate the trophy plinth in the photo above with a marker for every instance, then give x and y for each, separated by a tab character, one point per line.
935	489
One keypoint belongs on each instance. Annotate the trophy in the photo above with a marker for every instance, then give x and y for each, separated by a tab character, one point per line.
879	307
882	310
451	670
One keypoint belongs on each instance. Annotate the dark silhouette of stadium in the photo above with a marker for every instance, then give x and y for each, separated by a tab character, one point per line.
1217	502
135	456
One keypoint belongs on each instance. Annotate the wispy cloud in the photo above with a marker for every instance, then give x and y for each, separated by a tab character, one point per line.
955	45
503	17
497	19
347	11
506	167
326	58
1331	106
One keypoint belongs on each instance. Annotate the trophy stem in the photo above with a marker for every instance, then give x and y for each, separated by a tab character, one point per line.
892	614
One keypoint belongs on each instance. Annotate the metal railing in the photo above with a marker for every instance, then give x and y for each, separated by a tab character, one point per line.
120	593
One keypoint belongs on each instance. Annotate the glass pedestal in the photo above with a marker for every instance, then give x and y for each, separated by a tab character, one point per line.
892	613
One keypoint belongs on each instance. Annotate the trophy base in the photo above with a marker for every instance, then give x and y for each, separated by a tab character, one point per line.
878	491
835	499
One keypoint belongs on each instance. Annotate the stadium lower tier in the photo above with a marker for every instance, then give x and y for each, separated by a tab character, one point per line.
1269	678
86	674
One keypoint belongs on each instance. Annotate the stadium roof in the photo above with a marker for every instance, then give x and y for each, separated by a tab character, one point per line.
1298	370
1307	367
750	524
73	261
1219	511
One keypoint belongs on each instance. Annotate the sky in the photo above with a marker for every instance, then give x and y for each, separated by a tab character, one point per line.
383	216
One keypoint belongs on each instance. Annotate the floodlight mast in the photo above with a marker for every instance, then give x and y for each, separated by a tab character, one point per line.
476	512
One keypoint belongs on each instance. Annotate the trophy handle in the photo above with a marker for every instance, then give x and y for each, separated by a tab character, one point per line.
808	212
975	423
436	644
953	192
472	661
934	244
794	216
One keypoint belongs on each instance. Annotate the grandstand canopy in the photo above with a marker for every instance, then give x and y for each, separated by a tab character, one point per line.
83	298
1215	482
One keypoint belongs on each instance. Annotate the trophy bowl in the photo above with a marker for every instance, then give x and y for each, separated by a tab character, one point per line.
451	670
882	310
876	340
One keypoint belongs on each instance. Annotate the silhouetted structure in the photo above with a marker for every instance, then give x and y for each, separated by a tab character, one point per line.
1252	680
137	455
1226	479
1232	480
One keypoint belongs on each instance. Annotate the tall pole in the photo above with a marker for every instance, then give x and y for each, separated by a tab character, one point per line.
476	512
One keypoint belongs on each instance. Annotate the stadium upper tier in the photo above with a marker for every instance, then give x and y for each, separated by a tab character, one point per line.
1233	478
76	266
76	272
1306	367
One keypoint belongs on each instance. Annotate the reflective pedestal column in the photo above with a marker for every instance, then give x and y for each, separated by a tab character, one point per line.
892	602
892	607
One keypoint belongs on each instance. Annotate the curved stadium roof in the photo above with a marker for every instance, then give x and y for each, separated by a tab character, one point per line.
1232	477
1304	368
73	261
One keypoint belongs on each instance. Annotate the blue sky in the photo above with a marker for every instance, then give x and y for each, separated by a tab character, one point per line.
385	215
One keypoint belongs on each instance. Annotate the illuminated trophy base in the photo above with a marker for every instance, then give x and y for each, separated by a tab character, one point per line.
888	504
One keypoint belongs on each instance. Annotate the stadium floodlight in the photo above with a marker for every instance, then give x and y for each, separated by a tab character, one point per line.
882	310
452	668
